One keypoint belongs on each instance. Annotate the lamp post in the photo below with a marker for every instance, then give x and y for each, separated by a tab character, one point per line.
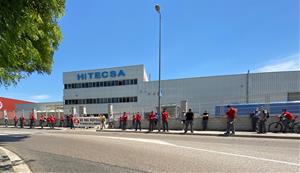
157	8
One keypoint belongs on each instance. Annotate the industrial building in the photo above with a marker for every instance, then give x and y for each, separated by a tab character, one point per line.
127	89
8	106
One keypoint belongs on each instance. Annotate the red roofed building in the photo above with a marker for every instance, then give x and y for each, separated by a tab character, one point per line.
9	106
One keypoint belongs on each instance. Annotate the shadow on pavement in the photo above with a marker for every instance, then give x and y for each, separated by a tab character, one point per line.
12	138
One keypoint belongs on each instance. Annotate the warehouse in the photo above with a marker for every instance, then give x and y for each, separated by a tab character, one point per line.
127	89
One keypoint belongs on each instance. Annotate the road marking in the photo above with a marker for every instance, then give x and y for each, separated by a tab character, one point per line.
18	164
199	149
153	141
239	155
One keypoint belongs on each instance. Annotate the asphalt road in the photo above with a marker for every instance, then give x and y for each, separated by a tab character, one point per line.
88	151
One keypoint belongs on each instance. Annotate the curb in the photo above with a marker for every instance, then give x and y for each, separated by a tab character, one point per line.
17	164
208	134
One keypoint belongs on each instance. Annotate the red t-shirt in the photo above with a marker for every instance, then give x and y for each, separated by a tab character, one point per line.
125	116
42	118
231	113
289	115
32	117
151	116
134	117
165	116
138	117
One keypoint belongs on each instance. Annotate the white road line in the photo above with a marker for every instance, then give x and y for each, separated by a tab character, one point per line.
239	155
18	163
199	149
153	141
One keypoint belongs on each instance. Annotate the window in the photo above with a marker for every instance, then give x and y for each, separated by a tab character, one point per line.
294	96
115	100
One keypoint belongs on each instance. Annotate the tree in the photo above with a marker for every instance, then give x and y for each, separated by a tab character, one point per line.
29	35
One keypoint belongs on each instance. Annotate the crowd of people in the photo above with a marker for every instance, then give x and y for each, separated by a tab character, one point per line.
50	121
258	120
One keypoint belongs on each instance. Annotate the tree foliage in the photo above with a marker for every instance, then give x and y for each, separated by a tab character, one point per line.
29	35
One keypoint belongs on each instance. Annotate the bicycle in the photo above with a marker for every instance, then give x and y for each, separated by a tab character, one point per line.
278	126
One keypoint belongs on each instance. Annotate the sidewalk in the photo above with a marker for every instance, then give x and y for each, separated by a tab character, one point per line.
11	162
5	163
214	133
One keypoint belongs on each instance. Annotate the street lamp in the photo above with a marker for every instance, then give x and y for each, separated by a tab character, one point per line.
157	8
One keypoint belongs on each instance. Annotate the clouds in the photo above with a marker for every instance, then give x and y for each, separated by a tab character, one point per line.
40	97
290	63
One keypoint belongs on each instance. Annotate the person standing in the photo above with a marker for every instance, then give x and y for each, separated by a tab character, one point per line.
62	121
165	118
5	119
231	114
16	121
254	119
53	121
42	120
121	122
111	121
72	120
32	119
102	121
22	121
138	119
133	121
262	118
205	119
124	119
189	117
151	118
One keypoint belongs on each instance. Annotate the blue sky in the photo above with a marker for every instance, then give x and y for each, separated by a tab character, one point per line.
199	38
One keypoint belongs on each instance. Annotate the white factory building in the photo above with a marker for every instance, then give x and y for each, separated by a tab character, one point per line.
128	89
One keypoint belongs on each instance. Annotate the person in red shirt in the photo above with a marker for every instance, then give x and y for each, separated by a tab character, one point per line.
62	121
16	120
32	119
53	121
138	119
151	118
165	117
42	120
124	119
289	119
231	113
49	121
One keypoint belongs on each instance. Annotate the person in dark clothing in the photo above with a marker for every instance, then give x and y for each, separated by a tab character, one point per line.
262	118
204	120
254	119
16	121
189	117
